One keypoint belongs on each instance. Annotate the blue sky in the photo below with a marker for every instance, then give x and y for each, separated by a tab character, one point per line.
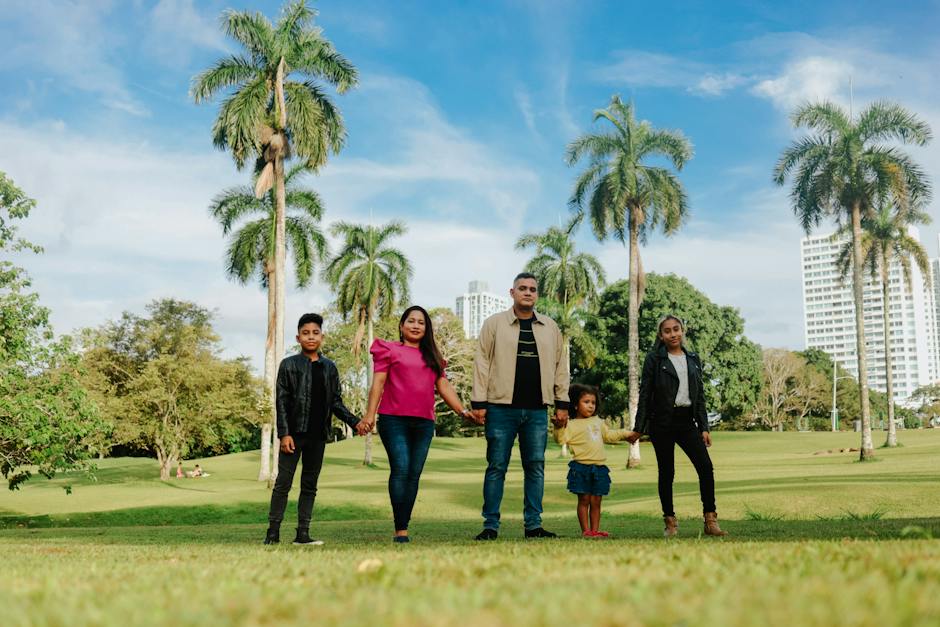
459	127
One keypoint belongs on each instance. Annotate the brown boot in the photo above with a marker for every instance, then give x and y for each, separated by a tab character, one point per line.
672	527
711	525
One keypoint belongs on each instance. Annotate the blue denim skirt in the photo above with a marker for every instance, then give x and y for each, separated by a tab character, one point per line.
588	479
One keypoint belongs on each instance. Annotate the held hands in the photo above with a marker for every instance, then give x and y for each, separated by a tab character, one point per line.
364	427
707	438
478	416
287	445
633	436
561	418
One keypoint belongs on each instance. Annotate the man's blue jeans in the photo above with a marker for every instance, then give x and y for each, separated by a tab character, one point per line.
503	424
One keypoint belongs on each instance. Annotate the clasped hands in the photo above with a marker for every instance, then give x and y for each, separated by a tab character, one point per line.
364	427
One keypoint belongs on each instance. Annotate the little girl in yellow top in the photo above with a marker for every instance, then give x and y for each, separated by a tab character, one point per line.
588	475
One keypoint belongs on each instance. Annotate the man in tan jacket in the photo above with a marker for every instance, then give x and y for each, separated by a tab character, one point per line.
518	371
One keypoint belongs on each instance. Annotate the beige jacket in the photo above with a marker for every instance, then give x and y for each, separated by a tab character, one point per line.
494	365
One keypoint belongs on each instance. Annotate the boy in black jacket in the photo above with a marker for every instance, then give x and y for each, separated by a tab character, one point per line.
308	393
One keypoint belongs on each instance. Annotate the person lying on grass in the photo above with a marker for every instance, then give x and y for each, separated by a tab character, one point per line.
588	475
308	393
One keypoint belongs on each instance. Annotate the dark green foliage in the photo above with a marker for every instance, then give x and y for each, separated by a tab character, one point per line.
732	363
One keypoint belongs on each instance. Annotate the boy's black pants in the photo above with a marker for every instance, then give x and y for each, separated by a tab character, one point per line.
311	449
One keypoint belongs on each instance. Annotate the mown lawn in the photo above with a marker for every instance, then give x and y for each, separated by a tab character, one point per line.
816	539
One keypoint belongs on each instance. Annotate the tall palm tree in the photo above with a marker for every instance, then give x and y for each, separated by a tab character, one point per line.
886	240
268	117
628	198
842	170
250	256
370	279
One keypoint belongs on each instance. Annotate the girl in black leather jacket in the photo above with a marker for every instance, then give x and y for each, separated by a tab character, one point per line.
672	411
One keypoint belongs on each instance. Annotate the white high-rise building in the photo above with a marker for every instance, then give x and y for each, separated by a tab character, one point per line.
829	318
477	305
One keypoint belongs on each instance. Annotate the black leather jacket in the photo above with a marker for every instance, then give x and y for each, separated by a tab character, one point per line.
660	384
293	390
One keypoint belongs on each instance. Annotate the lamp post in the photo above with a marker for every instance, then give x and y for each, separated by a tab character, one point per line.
835	410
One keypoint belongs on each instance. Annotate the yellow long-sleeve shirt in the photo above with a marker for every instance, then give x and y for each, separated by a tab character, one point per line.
585	438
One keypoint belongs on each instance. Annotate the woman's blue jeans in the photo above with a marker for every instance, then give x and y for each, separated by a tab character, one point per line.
406	440
503	424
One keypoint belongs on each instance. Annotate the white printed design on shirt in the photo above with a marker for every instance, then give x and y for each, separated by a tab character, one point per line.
594	431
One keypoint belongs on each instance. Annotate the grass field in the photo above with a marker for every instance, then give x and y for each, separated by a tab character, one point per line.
817	538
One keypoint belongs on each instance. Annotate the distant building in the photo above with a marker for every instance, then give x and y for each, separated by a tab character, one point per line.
478	304
829	318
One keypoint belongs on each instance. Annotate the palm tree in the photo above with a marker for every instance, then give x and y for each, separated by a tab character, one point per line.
886	240
568	281
627	197
842	170
250	256
370	279
268	117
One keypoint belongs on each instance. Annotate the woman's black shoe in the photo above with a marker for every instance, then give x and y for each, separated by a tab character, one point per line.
273	536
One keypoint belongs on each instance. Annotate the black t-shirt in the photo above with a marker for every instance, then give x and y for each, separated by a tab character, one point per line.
527	390
317	408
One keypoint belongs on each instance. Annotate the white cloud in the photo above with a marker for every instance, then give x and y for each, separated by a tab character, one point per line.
524	102
68	41
177	28
807	80
639	68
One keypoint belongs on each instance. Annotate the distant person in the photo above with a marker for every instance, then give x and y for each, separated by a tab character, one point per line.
197	471
519	369
407	375
588	475
308	392
672	411
179	470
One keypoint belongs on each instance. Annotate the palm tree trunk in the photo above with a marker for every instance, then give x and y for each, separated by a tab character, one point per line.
280	276
269	428
280	242
633	333
867	448
885	292
573	410
367	457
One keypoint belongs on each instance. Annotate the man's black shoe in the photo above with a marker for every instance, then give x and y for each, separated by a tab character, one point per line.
487	534
538	532
303	538
273	536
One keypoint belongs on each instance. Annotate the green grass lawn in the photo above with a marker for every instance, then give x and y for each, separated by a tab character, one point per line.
816	539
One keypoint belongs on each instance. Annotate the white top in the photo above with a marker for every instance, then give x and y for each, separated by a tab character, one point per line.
682	369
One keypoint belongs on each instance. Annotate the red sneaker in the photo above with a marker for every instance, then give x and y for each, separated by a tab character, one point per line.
588	534
601	534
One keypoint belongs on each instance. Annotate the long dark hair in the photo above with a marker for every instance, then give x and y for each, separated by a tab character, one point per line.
429	351
659	327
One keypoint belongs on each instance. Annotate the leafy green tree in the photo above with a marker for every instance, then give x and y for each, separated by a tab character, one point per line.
731	362
458	351
628	197
250	256
47	422
270	117
886	241
370	279
843	169
161	383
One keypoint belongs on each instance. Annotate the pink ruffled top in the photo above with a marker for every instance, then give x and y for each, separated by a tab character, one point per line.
411	384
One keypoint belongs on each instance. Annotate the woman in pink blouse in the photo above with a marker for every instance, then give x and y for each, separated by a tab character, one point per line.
407	375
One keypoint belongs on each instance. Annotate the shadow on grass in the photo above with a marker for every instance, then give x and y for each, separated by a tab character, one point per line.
378	531
188	515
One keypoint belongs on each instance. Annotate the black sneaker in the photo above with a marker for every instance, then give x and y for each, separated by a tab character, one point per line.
487	534
538	532
303	538
400	539
273	536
